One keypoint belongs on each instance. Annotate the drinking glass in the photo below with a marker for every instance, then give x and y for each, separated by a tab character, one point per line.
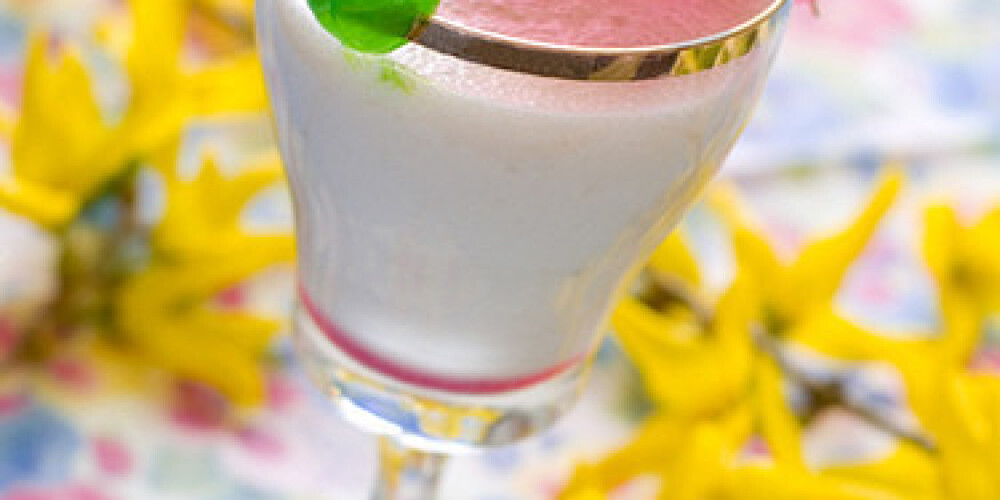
470	207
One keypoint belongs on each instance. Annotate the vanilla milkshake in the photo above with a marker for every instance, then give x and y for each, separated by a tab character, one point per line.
467	229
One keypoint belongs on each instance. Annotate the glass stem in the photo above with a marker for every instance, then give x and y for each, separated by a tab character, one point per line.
405	473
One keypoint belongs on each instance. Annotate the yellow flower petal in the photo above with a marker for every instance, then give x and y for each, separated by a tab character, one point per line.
205	358
654	445
755	258
966	425
203	217
8	121
59	143
47	207
154	55
243	331
779	426
781	483
816	275
785	293
670	348
961	281
232	86
200	250
674	258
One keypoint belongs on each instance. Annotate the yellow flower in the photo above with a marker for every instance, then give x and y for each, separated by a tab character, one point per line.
673	340
909	470
165	91
668	341
165	315
714	389
963	420
165	312
781	297
965	264
60	144
688	456
65	156
964	417
787	293
795	305
203	217
64	153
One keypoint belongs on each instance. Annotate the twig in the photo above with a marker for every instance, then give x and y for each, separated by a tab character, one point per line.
834	392
657	290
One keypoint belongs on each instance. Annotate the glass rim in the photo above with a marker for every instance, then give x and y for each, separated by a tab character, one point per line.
572	62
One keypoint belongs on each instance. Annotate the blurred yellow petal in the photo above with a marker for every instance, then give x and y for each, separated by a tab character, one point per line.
782	483
908	471
755	258
154	55
45	206
981	242
164	313
58	108
166	92
654	444
8	120
740	391
787	292
200	249
674	258
695	472
942	234
960	279
203	357
671	347
816	275
231	86
59	143
203	217
780	427
244	331
966	426
584	485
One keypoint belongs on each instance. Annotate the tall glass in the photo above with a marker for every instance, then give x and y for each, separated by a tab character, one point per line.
470	207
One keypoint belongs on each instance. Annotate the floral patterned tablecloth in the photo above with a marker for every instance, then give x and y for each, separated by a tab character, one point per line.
866	81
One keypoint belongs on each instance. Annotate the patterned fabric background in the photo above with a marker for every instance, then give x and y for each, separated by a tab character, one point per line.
913	80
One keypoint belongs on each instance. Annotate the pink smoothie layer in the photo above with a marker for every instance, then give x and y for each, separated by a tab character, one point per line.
604	23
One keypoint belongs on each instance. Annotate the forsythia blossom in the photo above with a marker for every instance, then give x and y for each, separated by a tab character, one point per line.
150	292
722	375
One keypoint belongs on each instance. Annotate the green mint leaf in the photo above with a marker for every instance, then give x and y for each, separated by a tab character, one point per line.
372	26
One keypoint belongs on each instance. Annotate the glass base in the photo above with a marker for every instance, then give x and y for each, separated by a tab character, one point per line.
430	420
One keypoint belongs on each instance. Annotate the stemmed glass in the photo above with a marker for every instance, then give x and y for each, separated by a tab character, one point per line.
470	206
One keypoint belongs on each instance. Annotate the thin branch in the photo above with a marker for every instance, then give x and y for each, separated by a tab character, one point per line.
834	393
